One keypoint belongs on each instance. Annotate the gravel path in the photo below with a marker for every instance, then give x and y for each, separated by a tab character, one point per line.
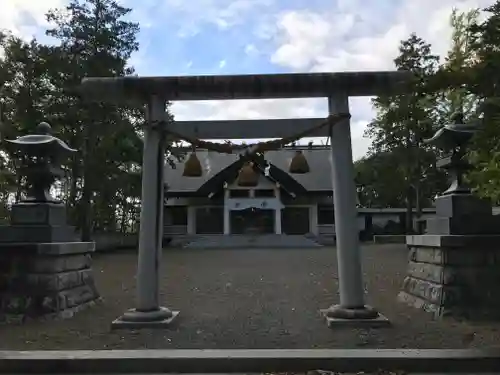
251	299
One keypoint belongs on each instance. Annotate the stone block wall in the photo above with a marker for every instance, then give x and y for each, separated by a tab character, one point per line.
45	280
115	241
455	276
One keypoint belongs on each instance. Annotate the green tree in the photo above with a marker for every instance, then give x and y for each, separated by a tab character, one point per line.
461	58
23	89
374	174
404	121
482	81
95	40
384	186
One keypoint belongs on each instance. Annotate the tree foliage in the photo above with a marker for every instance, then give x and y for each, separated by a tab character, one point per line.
465	81
483	84
460	59
380	184
404	121
38	83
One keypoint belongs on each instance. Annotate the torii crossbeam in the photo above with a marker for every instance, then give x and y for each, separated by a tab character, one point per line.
155	91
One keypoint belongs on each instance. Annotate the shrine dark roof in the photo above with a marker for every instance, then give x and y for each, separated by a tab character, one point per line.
318	179
230	173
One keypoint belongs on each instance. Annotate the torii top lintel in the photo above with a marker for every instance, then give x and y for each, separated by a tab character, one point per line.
256	86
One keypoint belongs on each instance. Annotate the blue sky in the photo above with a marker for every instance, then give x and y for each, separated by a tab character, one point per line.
188	37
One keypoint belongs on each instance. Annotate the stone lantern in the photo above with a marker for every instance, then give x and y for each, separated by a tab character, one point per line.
453	267
453	139
457	206
47	271
38	159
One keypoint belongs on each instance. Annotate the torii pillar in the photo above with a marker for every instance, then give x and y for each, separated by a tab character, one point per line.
148	312
352	309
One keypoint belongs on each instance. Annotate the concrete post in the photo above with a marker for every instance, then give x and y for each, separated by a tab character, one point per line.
191	220
227	213
277	213
277	221
148	312
313	219
352	304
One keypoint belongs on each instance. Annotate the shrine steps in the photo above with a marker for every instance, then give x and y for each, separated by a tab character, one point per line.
262	241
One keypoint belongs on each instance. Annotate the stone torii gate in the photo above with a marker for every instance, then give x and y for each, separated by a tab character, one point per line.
155	91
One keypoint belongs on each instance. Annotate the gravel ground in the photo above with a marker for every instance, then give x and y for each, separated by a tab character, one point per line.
250	299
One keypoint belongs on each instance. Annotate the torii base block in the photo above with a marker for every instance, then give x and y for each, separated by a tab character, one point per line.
367	317
134	319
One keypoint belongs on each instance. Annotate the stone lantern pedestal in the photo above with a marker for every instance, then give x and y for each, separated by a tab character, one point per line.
44	271
455	272
454	268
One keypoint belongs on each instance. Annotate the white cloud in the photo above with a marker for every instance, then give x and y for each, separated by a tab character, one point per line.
256	109
25	18
323	41
304	36
192	16
222	64
251	50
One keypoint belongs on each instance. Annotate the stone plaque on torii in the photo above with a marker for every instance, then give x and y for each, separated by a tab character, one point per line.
155	91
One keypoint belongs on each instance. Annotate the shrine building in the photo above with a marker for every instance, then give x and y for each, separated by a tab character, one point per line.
286	191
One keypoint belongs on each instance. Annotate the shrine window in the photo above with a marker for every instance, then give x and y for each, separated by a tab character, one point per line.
264	193
239	193
325	214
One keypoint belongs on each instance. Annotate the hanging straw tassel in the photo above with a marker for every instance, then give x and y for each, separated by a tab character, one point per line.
247	176
299	164
192	166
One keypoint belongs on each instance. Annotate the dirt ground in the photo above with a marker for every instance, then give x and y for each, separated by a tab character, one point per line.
250	299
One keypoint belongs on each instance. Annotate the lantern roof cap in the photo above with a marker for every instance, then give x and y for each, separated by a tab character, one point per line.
456	134
42	139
